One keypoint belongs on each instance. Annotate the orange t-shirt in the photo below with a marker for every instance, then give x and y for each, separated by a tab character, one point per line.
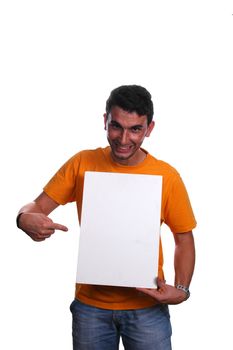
67	186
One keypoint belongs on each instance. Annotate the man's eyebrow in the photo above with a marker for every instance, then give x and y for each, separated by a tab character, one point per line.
137	126
114	122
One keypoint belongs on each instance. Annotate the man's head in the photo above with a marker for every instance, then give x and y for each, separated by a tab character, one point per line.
131	98
128	120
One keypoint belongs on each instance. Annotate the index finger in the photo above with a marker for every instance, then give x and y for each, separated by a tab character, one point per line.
60	227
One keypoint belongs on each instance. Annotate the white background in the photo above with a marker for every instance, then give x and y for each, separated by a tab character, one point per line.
59	61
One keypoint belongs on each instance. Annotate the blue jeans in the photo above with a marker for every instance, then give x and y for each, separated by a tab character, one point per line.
101	329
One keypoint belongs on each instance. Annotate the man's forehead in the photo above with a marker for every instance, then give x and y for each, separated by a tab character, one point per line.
118	114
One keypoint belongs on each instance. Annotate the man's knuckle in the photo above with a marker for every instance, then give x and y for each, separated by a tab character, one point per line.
44	225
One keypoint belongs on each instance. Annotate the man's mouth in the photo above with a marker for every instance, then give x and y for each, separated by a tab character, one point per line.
123	149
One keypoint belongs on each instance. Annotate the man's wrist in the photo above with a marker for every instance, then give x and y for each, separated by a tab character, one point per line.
184	289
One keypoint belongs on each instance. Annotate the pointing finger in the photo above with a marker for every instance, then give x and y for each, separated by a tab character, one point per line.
60	227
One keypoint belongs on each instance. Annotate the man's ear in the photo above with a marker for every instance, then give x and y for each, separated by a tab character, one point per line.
150	128
105	121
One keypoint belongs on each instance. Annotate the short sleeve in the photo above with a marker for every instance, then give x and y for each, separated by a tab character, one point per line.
178	213
62	185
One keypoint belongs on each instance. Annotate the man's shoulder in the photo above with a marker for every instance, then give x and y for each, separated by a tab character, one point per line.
88	156
92	153
162	166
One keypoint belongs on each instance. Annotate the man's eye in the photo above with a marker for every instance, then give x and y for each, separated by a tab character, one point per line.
115	126
136	129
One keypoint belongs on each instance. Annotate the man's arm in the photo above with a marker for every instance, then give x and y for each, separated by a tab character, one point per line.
184	262
33	218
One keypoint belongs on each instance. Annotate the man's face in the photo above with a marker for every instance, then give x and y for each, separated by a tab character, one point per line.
125	133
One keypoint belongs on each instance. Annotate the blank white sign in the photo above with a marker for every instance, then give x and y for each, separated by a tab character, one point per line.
120	229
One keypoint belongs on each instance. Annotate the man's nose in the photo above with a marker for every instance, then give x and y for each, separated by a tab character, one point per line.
124	137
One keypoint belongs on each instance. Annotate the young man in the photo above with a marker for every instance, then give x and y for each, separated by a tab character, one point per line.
103	314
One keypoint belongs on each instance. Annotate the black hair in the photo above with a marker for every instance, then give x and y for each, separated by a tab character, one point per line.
131	98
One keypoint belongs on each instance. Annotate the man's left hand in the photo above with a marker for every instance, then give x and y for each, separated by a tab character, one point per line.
165	293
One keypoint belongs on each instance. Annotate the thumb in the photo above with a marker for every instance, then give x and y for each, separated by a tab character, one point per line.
160	283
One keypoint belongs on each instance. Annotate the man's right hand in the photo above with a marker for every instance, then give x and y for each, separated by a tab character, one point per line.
38	226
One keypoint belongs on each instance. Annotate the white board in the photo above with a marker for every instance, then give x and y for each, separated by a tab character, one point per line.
120	229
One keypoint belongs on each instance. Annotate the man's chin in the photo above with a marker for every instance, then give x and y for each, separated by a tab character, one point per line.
123	158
